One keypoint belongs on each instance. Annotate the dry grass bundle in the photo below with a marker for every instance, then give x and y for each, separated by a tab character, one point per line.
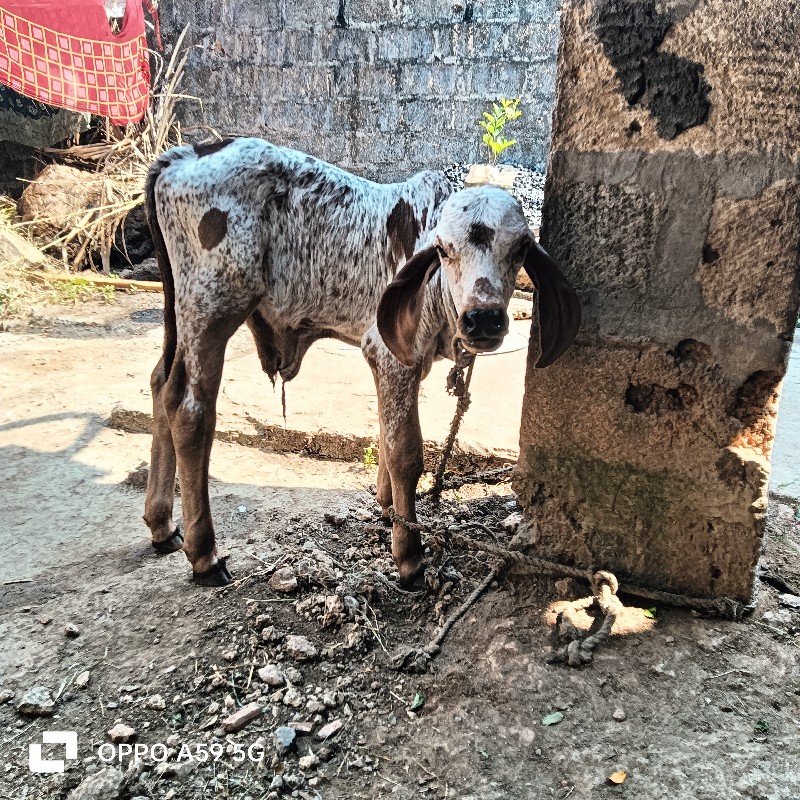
120	169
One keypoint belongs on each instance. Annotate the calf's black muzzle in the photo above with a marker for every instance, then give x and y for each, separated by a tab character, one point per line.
483	330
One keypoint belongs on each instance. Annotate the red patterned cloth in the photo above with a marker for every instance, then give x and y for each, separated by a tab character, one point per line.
64	54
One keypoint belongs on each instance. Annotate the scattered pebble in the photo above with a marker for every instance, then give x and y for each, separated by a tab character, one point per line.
6	695
308	762
660	669
303	727
104	785
37	702
293	781
72	631
271	675
242	717
293	675
300	648
179	770
619	715
778	619
82	679
156	703
283	580
331	729
284	739
121	733
337	518
293	697
271	634
790	600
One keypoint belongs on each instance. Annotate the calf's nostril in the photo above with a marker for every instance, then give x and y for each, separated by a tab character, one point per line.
478	323
470	321
495	321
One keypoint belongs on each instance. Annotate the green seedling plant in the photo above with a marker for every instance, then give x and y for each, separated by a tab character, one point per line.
494	122
370	458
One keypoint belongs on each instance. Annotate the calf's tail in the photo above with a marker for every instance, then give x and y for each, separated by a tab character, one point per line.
162	256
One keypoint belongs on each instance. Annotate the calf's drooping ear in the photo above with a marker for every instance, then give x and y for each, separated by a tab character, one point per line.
400	308
559	307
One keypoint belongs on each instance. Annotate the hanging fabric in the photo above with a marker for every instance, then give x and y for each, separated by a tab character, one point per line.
66	55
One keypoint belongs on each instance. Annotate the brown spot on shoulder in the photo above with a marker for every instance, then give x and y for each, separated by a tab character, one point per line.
202	150
481	235
402	230
213	228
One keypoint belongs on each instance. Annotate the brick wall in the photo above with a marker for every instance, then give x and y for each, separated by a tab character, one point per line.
381	87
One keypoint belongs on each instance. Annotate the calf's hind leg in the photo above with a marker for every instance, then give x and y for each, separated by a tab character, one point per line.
190	398
166	536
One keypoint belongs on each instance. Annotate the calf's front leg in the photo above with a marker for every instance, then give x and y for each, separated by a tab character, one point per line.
401	463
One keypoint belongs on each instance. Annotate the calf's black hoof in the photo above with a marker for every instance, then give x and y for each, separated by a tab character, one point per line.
415	582
171	545
218	575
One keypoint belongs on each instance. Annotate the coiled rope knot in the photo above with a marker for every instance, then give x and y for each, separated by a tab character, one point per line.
574	646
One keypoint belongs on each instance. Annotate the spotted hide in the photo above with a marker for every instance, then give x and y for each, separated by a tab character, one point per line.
247	232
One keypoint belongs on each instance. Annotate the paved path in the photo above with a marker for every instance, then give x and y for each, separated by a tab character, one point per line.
785	477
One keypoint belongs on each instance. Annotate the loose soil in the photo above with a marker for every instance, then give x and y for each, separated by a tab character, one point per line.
688	707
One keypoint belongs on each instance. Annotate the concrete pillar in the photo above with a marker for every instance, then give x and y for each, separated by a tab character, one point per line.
673	207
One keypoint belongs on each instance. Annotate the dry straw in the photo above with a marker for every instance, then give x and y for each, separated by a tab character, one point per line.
120	169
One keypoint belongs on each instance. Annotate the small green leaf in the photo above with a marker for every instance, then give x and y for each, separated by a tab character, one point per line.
553	719
650	613
417	702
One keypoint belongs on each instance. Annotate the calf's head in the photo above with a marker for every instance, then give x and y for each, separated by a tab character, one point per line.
481	241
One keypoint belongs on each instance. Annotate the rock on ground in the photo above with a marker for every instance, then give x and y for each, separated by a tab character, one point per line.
18	251
271	675
300	648
104	785
122	733
283	580
244	716
37	702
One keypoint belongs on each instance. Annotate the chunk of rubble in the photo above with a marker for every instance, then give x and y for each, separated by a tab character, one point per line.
244	716
300	648
283	580
107	784
37	702
303	727
284	739
271	675
331	729
121	733
337	518
512	522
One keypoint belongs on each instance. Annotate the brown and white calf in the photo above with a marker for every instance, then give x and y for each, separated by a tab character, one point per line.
247	232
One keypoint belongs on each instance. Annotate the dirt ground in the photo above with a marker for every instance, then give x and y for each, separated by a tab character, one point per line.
688	707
